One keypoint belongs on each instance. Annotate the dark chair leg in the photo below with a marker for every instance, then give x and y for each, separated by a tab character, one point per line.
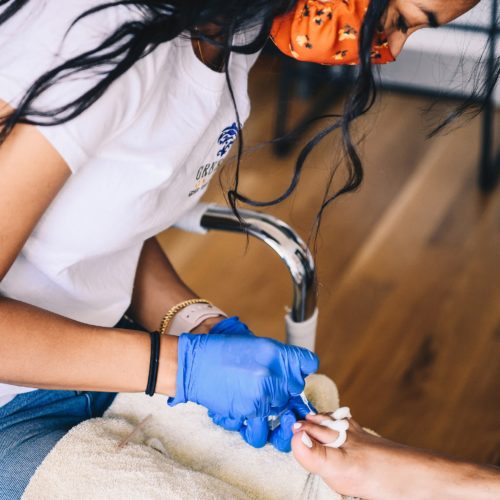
489	166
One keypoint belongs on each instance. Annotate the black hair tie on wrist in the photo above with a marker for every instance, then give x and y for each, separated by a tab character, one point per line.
153	363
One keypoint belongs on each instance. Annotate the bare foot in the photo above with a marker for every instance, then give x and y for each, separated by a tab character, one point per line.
371	467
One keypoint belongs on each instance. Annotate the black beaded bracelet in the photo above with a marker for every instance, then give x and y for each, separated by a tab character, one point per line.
153	363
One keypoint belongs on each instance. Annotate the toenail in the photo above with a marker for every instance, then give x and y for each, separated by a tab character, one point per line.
297	425
307	440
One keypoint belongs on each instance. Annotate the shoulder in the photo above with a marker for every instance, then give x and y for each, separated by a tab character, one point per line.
41	37
56	30
53	18
46	34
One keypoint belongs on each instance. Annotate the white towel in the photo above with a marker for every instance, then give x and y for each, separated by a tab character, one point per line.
178	453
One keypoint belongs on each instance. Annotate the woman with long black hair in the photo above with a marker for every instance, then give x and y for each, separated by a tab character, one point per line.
115	115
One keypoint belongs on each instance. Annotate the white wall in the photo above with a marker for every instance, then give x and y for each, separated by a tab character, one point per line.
444	59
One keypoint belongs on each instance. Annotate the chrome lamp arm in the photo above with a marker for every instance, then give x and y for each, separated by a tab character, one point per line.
302	320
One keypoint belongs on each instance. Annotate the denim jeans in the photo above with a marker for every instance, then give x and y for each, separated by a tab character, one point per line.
31	425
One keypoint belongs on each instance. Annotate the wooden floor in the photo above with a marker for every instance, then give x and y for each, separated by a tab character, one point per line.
409	271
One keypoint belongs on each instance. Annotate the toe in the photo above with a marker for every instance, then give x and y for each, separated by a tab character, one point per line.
309	453
318	432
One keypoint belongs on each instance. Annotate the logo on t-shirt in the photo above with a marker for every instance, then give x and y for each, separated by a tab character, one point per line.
227	138
205	172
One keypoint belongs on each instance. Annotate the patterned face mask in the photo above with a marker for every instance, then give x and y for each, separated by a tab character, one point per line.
326	32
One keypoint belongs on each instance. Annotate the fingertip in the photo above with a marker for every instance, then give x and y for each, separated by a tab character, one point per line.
310	362
283	445
299	407
288	419
281	438
256	432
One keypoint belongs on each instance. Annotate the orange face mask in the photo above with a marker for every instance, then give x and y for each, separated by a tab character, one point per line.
326	32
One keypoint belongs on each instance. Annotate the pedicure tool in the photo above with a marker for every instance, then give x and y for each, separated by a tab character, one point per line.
274	421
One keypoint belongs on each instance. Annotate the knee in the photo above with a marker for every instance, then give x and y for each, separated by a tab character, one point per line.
20	456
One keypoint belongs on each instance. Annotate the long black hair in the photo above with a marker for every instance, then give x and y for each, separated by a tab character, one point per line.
159	22
162	21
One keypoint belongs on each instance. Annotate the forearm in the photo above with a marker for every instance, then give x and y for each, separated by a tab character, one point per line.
43	350
157	288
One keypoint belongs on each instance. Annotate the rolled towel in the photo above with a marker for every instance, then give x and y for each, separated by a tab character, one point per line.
142	449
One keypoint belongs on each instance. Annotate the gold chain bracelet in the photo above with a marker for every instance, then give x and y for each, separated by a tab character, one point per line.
165	322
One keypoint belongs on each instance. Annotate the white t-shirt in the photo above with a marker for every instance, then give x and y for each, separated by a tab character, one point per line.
140	157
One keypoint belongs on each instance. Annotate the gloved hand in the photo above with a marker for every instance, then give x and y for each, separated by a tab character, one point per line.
240	376
231	326
256	431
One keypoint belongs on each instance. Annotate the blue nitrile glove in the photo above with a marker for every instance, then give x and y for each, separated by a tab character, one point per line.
231	326
301	409
239	376
256	431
